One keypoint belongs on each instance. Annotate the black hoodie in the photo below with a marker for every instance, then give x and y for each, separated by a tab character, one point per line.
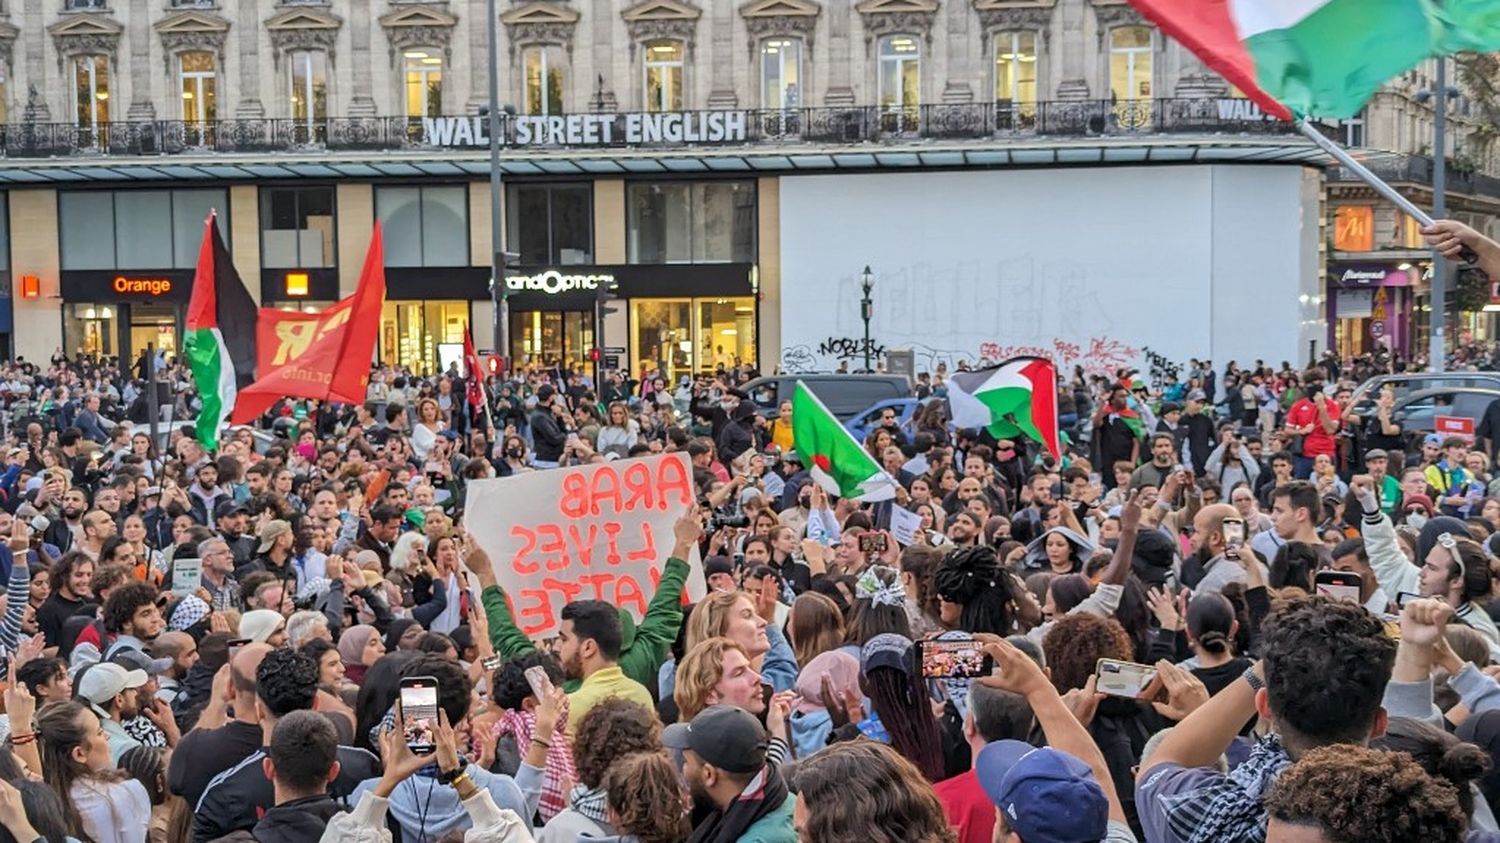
297	821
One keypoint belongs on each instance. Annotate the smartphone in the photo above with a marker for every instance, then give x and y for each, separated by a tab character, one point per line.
493	663
1234	532
572	436
1344	585
419	713
235	644
1405	597
953	659
872	542
1123	679
541	683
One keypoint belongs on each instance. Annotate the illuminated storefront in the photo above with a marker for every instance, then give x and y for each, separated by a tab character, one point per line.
109	314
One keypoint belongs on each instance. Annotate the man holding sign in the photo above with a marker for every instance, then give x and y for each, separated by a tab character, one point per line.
587	532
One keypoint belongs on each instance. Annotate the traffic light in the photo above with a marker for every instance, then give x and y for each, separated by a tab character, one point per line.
607	294
493	364
594	355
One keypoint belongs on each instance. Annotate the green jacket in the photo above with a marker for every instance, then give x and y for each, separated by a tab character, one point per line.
645	646
775	827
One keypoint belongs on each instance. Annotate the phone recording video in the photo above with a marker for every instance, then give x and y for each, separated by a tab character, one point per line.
960	659
1343	585
540	682
419	713
1123	679
872	542
1234	532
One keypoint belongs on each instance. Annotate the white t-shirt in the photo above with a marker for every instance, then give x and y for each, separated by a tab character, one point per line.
118	812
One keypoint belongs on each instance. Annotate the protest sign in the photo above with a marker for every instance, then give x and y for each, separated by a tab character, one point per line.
594	532
187	576
1458	426
904	525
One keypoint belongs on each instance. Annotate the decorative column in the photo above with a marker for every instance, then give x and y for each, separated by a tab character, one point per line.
960	67
722	94
142	104
840	57
602	84
249	106
361	70
36	109
479	56
1071	21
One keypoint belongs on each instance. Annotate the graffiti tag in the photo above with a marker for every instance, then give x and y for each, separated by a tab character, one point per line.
846	348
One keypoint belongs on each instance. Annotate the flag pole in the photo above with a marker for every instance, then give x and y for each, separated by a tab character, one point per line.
1343	157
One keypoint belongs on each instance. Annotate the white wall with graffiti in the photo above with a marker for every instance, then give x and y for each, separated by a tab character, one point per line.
1098	267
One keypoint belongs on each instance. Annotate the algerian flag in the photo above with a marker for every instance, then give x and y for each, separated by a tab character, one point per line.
1322	57
220	341
832	455
1016	397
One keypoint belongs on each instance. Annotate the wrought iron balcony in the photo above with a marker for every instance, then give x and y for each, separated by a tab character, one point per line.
739	127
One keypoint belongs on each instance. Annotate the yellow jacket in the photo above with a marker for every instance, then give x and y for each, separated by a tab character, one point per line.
599	686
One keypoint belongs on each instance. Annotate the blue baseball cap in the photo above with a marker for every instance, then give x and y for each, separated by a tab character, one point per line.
1046	796
1432	439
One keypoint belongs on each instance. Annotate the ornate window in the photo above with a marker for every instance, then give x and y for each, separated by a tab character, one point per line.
1130	62
90	96
1015	79
662	68
781	73
307	73
543	65
197	82
899	82
424	83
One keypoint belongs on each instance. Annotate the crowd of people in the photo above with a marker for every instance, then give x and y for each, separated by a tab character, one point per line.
1230	610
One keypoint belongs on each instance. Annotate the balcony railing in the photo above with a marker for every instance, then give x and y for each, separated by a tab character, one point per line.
824	126
1418	169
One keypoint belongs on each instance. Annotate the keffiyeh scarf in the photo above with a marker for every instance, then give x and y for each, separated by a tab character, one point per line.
521	725
1230	808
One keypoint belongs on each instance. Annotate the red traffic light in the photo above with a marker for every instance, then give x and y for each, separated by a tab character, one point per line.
594	354
492	364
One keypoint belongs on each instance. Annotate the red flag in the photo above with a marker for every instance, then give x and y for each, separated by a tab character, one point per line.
476	372
319	355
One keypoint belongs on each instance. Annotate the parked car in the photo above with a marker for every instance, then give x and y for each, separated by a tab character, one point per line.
844	395
1416	413
1362	403
264	439
868	419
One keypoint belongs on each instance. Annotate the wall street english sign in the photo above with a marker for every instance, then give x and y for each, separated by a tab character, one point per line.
631	129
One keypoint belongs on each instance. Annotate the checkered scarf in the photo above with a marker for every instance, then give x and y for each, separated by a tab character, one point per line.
1230	808
521	725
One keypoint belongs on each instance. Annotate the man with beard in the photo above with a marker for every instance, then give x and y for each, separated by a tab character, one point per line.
113	693
1209	569
63	533
724	763
965	529
588	646
182	651
230	518
205	495
1163	460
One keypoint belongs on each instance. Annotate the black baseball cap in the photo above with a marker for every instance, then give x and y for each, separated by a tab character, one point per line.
718	565
229	508
724	736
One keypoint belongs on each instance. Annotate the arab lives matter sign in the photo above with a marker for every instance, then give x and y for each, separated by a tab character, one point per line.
595	532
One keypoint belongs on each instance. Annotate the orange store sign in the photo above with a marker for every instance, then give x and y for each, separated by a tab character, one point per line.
146	286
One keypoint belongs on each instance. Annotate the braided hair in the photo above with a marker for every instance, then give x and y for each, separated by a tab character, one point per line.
972	578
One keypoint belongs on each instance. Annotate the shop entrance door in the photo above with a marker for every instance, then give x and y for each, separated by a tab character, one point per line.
552	338
155	324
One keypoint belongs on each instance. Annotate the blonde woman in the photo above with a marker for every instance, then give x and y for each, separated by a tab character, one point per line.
429	423
732	615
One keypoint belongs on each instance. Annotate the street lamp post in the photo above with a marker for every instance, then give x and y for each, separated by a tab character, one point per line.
867	309
499	306
1437	350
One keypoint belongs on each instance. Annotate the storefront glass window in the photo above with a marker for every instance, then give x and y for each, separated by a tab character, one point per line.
296	227
424	226
683	336
136	229
410	331
199	87
544	79
551	224
140	214
1015	76
663	74
155	324
424	83
552	338
781	73
90	329
691	222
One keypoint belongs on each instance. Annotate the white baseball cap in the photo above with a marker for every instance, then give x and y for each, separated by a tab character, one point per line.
104	681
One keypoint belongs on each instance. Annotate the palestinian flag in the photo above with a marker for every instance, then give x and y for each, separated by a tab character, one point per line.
220	341
1017	397
1322	58
835	459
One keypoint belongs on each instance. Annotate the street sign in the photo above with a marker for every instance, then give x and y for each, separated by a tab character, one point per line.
611	361
614	349
1454	426
1377	329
